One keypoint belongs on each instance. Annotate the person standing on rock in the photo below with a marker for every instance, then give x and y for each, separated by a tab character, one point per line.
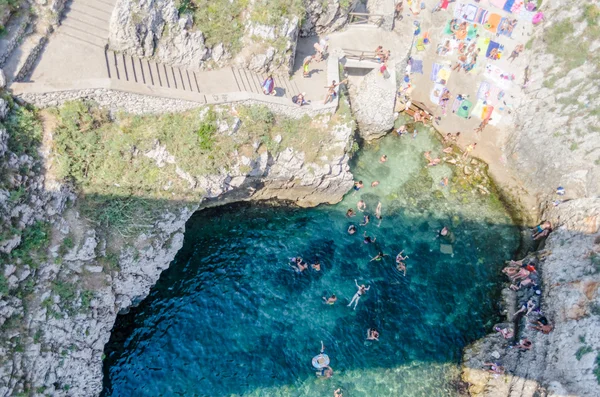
469	149
331	94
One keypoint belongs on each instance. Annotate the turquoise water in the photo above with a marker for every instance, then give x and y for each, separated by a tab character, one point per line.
230	317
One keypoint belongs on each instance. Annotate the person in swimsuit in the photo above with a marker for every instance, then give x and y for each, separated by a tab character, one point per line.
362	289
350	213
524	344
494	368
357	186
506	333
383	159
378	213
366	220
338	393
298	265
375	183
368	240
515	53
378	257
316	266
401	267
372	334
351	229
331	300
361	205
544	328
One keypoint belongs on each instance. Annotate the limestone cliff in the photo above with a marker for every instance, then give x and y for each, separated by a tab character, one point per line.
70	266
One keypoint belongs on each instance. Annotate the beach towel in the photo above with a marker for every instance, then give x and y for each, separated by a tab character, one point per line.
456	104
417	66
459	10
419	45
518	7
436	93
481	16
496	119
487	112
492	22
493	45
443	75
482	44
508	5
444	4
472	32
464	109
505	31
498	3
435	68
493	95
478	109
470	12
498	76
482	92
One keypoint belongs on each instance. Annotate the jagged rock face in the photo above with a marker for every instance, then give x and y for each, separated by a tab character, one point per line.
154	29
373	104
562	362
556	138
323	17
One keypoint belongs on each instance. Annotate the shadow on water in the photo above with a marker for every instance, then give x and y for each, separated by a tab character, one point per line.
231	317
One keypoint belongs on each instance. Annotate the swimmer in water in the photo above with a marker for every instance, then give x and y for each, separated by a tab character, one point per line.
368	240
316	266
362	289
375	183
378	257
351	229
366	220
338	393
400	258
383	159
357	186
331	300
372	334
401	267
350	213
361	205
298	265
378	213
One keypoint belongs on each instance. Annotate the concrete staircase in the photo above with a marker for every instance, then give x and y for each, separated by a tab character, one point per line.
87	21
126	68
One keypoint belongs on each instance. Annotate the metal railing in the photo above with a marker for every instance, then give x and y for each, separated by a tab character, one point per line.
360	55
363	18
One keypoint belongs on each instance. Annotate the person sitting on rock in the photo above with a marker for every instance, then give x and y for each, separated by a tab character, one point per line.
495	368
542	230
506	333
524	344
542	325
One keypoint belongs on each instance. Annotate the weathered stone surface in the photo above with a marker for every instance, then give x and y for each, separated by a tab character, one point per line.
323	17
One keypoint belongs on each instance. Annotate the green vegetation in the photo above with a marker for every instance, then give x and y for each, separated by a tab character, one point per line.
574	146
3	285
25	131
123	190
34	242
272	12
218	20
597	368
582	351
591	14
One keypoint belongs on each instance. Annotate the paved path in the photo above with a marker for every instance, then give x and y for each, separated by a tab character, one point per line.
75	57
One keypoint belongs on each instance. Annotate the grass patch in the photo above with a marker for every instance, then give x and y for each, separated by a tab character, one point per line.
25	131
582	351
219	20
574	146
549	83
573	52
3	285
34	243
591	14
272	12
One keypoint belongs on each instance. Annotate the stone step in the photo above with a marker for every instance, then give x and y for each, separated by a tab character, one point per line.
99	17
105	6
15	29
89	19
82	35
85	28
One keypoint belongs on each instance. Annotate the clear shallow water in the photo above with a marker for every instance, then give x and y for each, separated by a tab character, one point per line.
230	317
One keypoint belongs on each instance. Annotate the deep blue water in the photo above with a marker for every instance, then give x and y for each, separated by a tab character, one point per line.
230	317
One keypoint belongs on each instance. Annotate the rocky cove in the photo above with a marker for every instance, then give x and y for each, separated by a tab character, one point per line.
70	266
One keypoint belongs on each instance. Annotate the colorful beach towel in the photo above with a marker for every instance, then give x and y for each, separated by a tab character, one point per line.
487	112
508	5
482	44
481	16
417	66
503	27
498	3
436	93
443	75
472	32
465	11
464	109
435	68
478	109
518	7
492	22
493	45
499	76
484	88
